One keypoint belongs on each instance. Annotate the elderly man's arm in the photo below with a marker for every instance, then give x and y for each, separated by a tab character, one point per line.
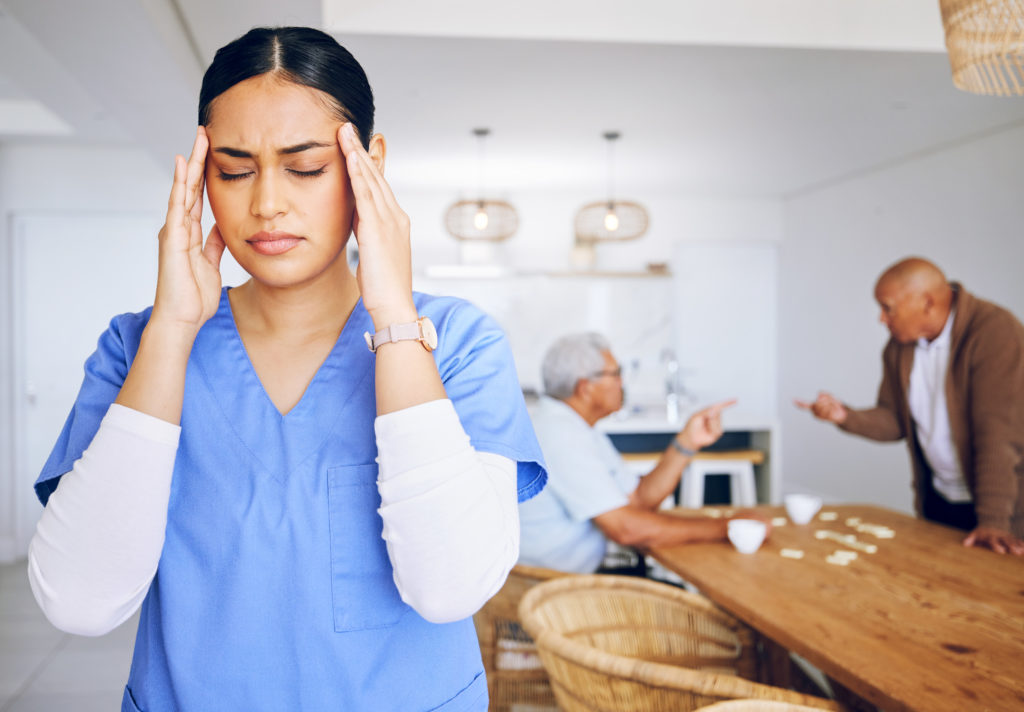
643	529
879	423
996	400
702	429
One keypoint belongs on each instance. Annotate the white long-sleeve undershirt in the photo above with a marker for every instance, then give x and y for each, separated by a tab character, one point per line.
450	518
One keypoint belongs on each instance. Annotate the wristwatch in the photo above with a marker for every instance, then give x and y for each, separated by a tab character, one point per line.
421	330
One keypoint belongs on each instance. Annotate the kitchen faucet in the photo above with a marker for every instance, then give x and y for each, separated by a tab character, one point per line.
672	385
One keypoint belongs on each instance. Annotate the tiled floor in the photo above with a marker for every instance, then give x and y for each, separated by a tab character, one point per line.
44	670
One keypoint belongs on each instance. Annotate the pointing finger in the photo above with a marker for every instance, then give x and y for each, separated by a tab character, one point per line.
716	408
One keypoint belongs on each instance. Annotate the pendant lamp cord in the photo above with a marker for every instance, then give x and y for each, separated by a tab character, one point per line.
481	135
610	136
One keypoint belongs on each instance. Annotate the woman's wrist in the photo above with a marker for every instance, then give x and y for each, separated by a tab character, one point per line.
387	315
171	335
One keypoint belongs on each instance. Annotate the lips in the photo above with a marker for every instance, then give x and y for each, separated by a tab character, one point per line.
273	243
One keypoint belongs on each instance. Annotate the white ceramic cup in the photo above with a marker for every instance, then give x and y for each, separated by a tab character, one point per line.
801	508
747	534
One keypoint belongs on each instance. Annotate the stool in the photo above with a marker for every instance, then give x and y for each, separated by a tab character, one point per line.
738	464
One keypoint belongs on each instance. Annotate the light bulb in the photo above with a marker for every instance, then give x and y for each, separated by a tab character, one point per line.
480	219
611	221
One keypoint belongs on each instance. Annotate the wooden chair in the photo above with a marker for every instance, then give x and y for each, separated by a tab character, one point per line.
756	706
615	644
516	678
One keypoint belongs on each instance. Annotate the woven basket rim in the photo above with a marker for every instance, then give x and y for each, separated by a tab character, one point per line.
662	675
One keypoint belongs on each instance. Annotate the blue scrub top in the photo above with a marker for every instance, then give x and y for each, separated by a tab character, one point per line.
274	590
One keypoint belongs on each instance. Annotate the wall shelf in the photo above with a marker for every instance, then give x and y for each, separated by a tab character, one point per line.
499	272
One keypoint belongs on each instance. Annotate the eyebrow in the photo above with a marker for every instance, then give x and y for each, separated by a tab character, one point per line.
297	148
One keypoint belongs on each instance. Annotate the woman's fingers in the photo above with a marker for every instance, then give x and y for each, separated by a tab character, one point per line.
359	161
367	204
195	224
185	204
360	170
214	248
176	200
196	168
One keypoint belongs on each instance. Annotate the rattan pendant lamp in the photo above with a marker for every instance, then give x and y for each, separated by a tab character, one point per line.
481	219
985	39
610	220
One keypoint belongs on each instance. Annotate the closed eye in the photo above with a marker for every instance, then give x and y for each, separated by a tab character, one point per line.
233	176
307	174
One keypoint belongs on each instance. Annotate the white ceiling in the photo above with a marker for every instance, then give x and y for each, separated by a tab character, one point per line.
792	109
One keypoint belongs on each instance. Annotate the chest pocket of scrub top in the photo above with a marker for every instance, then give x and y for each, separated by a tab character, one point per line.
362	587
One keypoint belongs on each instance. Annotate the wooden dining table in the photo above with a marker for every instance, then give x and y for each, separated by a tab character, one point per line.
921	623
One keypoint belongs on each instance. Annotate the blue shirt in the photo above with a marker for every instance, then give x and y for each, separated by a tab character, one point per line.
586	477
274	590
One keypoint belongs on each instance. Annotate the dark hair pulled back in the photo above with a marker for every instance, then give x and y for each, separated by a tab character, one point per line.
301	55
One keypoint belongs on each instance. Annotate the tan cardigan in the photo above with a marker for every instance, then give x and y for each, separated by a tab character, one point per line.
985	398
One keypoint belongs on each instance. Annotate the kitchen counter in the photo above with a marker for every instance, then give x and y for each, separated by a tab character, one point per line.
649	432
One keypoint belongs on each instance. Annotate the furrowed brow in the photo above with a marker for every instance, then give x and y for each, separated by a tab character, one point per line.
233	152
299	148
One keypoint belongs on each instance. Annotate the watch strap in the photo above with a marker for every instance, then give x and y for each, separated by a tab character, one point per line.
409	331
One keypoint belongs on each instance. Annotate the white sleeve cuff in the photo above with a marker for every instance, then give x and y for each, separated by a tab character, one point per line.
142	424
420	434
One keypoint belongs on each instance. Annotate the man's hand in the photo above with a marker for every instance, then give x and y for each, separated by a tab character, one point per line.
704	427
826	407
995	539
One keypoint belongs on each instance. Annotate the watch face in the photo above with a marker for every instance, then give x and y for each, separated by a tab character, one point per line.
429	333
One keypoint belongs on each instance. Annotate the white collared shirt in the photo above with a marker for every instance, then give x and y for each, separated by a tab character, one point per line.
927	399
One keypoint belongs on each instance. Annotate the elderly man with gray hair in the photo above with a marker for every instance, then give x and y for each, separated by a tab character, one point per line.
590	496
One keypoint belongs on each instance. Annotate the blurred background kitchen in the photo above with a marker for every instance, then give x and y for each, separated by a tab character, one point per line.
782	153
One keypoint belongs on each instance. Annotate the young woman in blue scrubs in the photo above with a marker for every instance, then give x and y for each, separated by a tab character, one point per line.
309	481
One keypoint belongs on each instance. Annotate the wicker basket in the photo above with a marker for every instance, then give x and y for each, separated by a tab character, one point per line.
615	644
985	39
516	678
756	706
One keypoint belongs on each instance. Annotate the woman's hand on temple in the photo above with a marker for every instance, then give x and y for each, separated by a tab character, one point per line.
381	229
188	285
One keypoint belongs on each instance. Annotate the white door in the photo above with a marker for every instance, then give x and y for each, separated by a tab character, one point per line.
73	272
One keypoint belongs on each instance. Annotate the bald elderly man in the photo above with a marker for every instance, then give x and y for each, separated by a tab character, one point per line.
953	386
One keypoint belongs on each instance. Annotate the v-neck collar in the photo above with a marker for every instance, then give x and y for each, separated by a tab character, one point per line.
324	371
279	441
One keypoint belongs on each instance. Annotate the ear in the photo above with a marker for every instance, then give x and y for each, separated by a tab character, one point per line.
582	389
378	151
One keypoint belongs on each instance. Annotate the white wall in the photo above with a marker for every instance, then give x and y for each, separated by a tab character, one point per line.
58	178
545	234
640	315
962	208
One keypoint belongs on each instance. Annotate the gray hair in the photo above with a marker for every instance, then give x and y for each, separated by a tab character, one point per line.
571	358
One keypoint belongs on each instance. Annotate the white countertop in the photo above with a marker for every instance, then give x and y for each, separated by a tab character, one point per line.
731	422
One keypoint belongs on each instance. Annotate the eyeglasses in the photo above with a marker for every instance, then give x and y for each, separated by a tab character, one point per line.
614	373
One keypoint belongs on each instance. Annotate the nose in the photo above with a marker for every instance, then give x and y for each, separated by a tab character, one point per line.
268	198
